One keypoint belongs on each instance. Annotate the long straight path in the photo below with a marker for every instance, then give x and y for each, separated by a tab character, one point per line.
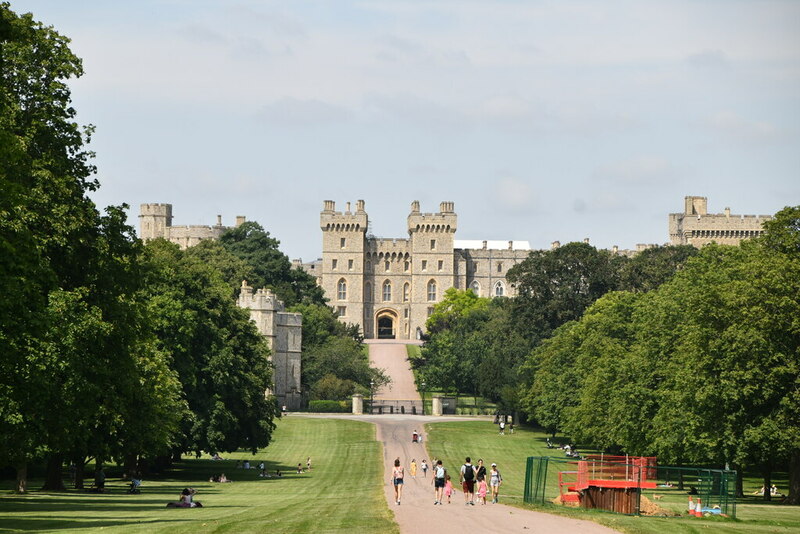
417	514
391	356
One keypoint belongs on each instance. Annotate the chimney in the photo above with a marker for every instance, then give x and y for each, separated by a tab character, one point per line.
240	219
328	205
510	245
615	249
485	245
586	240
359	206
728	213
415	206
348	207
219	220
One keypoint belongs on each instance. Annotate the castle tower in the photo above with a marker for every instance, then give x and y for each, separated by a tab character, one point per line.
431	236
283	332
342	270
154	221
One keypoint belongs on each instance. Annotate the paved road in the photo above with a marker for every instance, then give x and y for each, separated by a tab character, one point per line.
391	356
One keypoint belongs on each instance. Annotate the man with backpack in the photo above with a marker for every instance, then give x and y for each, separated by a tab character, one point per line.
468	482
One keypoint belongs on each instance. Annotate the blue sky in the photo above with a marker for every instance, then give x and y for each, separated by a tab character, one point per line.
542	121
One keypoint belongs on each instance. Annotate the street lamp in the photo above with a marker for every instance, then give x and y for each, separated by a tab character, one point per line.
423	397
371	396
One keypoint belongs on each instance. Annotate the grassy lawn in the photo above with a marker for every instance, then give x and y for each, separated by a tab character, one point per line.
453	441
342	493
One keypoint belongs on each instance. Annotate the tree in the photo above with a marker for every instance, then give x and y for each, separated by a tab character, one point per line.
216	351
653	266
346	358
270	267
556	286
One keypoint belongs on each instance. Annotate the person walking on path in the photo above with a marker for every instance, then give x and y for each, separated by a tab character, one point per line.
397	480
480	471
503	426
424	469
413	468
448	487
438	481
495	480
468	482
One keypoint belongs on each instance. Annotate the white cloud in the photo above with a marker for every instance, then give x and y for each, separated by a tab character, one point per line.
296	112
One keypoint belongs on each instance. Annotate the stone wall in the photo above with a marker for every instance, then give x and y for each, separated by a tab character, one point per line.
695	226
155	221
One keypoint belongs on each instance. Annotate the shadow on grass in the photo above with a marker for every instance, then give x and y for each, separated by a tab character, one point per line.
38	524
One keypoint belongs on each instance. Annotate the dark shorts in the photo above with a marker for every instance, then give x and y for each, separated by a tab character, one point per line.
469	486
438	483
398	481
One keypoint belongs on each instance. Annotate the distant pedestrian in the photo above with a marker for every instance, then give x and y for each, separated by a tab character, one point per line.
468	482
424	467
398	473
438	481
495	481
511	426
413	468
308	463
503	426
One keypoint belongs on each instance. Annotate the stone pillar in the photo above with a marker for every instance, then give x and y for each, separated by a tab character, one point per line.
358	404
436	406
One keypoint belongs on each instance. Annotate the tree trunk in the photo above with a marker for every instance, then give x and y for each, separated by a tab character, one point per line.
22	477
130	465
767	472
53	480
739	479
794	478
80	472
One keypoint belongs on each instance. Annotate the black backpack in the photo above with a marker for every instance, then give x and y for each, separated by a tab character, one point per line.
469	473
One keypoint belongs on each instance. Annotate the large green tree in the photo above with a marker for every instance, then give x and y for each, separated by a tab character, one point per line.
220	358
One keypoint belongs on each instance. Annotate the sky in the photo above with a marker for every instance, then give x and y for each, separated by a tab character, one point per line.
540	120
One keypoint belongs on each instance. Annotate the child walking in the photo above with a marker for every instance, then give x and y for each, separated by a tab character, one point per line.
448	488
482	491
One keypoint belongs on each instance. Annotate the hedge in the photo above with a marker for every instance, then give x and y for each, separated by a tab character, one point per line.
329	406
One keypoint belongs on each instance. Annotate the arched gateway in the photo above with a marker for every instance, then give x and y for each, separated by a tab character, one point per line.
387	324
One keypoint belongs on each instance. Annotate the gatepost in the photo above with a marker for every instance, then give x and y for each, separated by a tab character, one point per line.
436	405
358	404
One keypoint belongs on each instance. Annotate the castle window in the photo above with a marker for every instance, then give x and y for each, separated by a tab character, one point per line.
405	313
334	264
424	265
499	267
342	289
475	287
406	266
367	292
349	265
441	265
343	242
499	289
406	289
431	291
341	311
387	291
433	244
386	266
367	266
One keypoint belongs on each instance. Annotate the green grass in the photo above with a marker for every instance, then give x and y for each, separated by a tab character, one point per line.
453	441
342	493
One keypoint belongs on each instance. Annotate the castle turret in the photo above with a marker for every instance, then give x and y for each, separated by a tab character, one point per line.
342	270
154	221
431	236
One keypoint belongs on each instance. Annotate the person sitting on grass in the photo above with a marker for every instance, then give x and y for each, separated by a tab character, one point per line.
299	468
186	500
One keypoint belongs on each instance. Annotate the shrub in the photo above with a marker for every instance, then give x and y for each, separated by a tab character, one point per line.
329	406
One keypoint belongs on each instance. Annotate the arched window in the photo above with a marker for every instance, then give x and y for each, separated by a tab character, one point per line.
406	291
367	292
475	287
387	291
342	289
499	289
431	291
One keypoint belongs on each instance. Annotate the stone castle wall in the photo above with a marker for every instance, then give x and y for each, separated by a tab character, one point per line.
283	332
155	221
695	226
